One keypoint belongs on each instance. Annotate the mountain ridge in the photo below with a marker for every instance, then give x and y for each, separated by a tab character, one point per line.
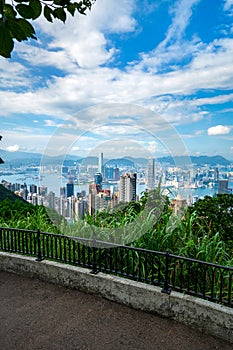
29	158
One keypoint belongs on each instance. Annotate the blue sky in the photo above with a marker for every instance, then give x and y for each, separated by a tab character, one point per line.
139	78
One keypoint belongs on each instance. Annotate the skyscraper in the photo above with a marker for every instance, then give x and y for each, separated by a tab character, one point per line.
69	189
33	188
101	162
127	189
151	173
98	179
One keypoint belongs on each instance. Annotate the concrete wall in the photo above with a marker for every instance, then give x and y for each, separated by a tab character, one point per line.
206	316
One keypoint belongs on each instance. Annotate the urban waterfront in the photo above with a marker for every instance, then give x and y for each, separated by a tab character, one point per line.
78	188
53	182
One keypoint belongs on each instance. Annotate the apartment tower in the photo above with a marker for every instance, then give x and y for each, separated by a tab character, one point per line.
151	173
101	162
127	188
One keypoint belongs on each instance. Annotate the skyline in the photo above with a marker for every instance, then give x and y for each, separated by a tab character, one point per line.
131	78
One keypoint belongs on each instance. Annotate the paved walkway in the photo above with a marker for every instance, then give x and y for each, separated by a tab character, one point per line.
36	315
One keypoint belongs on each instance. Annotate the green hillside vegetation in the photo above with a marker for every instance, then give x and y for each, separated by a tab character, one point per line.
205	232
18	213
6	194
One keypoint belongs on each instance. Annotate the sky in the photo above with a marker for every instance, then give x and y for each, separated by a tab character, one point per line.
131	78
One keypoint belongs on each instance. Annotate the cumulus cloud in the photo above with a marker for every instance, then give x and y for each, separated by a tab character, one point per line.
219	130
13	148
84	70
85	44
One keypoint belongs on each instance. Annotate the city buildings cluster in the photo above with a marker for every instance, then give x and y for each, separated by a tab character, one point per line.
121	184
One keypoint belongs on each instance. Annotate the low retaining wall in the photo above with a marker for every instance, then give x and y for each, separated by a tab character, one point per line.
206	316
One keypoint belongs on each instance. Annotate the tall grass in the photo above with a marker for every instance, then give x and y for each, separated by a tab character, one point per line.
28	217
181	237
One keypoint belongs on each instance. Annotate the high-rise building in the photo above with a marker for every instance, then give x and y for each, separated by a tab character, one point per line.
216	174
151	173
43	190
179	205
69	189
51	200
116	174
101	162
98	179
62	191
80	208
33	188
223	186
127	188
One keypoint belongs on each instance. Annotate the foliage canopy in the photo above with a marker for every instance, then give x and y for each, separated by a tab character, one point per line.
15	18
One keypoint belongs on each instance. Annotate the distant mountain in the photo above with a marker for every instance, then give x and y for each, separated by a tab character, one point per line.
138	161
8	156
197	160
28	158
17	159
214	160
120	162
88	160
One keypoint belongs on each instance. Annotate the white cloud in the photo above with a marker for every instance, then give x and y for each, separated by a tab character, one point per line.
219	130
183	11
49	122
228	5
13	74
83	39
213	100
13	148
152	148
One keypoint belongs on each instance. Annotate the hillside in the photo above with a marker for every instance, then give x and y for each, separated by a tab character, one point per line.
7	194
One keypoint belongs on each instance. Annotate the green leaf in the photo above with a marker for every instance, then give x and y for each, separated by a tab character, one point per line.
25	11
27	28
37	8
6	41
47	13
60	14
15	30
71	9
9	12
61	3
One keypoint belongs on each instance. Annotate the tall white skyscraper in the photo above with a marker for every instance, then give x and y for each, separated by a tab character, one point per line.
101	162
151	173
127	188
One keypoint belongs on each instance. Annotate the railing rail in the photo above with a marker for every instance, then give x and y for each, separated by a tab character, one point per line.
171	272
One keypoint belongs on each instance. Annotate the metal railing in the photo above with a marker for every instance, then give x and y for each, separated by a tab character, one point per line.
171	272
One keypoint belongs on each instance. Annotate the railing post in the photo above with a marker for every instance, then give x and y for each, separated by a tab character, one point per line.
94	270
39	255
0	238
166	288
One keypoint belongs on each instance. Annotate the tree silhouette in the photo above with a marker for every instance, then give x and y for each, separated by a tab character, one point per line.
14	18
